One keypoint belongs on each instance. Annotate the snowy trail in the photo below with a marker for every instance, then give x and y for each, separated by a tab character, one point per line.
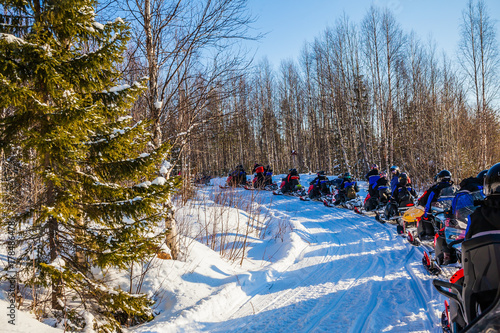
336	272
356	275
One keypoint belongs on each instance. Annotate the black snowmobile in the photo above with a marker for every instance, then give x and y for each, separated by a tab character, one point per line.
474	291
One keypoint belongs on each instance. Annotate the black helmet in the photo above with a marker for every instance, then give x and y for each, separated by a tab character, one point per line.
347	175
403	179
394	168
321	173
492	181
443	176
481	175
374	166
293	172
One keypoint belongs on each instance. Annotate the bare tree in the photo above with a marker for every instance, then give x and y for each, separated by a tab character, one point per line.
480	59
188	51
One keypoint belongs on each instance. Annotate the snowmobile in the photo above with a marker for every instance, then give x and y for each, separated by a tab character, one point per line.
325	191
474	291
202	181
449	237
392	212
299	191
269	187
352	204
373	204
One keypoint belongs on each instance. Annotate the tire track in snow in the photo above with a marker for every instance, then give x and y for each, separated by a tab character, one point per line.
261	302
417	287
324	323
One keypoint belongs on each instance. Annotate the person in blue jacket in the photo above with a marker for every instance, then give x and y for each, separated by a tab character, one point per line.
347	189
371	177
395	178
444	187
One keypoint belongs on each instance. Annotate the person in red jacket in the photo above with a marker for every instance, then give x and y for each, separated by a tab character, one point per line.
259	179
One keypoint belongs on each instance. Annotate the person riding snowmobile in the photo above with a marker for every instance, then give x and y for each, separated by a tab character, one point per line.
473	290
402	196
259	179
291	182
371	177
319	186
395	177
268	175
473	184
382	188
346	190
443	188
237	177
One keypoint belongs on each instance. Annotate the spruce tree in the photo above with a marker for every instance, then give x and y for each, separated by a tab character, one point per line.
66	115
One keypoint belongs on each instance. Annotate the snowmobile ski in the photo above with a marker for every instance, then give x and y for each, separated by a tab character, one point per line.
429	265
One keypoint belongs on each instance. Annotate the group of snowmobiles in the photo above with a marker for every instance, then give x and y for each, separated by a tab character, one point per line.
263	179
440	221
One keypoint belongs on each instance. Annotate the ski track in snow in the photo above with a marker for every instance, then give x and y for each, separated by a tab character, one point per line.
352	274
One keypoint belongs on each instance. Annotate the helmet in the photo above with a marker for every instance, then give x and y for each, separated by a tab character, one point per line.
347	175
492	181
293	172
321	173
374	166
382	174
443	176
482	174
394	168
403	179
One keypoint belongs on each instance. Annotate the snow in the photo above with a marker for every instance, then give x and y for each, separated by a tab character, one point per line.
12	39
158	104
98	25
119	88
23	322
165	166
159	181
307	268
58	263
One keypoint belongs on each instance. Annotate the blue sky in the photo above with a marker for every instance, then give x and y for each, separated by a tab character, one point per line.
290	23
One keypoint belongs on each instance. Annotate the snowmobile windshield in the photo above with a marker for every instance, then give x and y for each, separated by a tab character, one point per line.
463	204
442	204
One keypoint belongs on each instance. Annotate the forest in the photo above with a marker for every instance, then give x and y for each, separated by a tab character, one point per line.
361	93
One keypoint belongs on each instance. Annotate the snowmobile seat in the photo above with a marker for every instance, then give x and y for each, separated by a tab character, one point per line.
481	263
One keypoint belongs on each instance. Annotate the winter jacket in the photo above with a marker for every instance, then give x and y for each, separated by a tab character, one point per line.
394	182
320	184
372	177
237	177
318	180
290	183
381	182
404	195
346	183
486	218
257	168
